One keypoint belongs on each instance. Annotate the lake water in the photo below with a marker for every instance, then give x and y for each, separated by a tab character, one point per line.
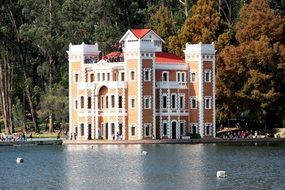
124	167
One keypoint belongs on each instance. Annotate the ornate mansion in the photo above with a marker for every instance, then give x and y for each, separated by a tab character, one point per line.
141	92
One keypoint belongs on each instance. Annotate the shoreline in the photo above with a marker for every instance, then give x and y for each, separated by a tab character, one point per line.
135	142
32	142
175	141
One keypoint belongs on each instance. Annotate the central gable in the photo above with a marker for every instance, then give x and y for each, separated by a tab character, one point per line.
144	34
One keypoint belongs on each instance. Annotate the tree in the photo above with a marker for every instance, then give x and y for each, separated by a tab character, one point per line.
56	102
44	31
162	23
250	81
204	25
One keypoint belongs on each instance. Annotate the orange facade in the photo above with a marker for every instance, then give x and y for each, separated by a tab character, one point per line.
143	93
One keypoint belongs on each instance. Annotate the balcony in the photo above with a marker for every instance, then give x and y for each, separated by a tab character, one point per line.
171	84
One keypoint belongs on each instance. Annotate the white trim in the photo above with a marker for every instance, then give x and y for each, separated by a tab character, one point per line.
200	97
70	98
140	106
96	113
154	97
214	96
172	113
173	66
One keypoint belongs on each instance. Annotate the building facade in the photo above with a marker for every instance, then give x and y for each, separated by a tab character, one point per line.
141	92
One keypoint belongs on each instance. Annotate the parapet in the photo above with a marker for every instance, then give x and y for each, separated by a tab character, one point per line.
204	49
83	49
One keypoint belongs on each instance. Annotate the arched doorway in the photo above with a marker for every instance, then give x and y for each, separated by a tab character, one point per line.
103	98
106	131
194	129
173	129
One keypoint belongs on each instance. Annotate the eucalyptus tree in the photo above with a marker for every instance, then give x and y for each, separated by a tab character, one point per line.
43	30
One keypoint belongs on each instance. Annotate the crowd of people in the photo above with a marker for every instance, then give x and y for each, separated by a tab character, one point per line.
244	134
16	137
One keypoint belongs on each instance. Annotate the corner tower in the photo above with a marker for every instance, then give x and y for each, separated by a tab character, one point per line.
139	47
80	59
201	62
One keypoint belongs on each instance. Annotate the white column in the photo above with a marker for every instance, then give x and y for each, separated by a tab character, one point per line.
153	99
200	98
96	117
214	97
140	103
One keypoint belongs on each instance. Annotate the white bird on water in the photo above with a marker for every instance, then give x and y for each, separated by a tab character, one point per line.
221	174
19	160
144	152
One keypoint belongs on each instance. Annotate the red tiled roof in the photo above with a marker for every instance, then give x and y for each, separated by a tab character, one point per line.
140	33
115	54
162	57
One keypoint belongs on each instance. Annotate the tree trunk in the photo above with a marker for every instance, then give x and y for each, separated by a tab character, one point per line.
5	94
185	4
23	61
30	101
50	123
50	61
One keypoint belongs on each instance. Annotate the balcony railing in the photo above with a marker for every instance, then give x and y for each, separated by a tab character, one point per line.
171	84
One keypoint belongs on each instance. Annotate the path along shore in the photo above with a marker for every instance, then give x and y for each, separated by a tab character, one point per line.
160	141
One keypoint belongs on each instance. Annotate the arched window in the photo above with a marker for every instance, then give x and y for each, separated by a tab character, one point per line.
102	102
82	102
113	101
89	103
92	77
107	101
164	101
165	76
82	129
173	101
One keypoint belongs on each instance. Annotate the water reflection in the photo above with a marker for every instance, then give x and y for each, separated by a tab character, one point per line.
101	166
125	167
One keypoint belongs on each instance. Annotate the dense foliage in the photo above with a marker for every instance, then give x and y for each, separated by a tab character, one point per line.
34	37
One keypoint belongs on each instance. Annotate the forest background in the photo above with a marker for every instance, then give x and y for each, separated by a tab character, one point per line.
34	38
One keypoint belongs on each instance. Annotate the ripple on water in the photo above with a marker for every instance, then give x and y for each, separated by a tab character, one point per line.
124	167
